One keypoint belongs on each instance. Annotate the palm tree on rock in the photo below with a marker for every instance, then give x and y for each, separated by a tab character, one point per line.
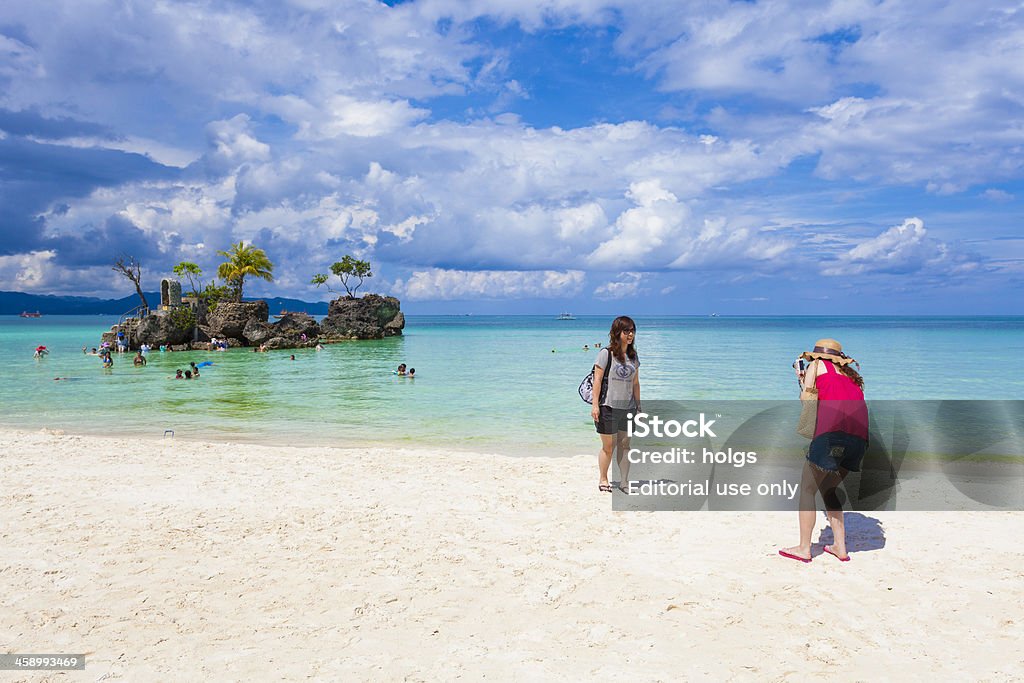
244	260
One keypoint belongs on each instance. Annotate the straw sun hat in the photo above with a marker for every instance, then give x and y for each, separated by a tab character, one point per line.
828	349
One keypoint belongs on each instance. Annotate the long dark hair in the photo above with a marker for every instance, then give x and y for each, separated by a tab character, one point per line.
851	373
848	371
620	325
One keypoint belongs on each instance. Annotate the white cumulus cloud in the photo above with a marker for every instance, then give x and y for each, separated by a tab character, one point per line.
626	285
720	244
902	249
657	219
441	284
362	118
233	142
25	272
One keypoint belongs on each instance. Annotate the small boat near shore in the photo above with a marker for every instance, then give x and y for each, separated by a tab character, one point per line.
31	314
283	313
566	316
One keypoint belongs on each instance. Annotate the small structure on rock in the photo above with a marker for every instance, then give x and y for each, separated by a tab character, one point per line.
170	294
173	324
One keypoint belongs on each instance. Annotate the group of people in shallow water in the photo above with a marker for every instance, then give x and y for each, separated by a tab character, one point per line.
840	433
191	373
140	360
107	359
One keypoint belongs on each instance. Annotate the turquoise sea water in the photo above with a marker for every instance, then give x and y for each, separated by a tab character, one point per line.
483	382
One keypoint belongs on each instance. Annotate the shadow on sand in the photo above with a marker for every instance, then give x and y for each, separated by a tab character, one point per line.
863	533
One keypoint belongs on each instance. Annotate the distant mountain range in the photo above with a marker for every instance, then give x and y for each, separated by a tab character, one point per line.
13	303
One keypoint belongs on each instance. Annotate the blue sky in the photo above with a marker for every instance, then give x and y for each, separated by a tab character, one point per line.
844	156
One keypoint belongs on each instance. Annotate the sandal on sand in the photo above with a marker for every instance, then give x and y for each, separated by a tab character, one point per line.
794	557
828	549
604	488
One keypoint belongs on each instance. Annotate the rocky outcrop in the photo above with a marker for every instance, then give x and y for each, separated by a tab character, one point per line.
229	319
293	330
371	317
246	324
159	329
395	327
257	332
296	325
275	343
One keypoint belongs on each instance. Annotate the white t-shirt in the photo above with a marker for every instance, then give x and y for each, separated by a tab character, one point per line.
620	380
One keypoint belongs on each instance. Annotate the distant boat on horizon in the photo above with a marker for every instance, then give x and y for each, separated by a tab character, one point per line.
283	313
30	314
566	316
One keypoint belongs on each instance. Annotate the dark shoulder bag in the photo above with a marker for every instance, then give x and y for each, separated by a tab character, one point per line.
586	389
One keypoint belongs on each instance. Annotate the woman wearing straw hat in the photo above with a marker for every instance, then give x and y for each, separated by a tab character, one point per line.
837	448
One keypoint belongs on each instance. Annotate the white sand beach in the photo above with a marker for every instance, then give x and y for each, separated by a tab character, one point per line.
174	560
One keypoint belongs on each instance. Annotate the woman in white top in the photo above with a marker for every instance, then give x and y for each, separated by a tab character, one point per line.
616	394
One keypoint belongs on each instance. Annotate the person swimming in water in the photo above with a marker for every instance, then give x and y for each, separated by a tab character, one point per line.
401	370
139	360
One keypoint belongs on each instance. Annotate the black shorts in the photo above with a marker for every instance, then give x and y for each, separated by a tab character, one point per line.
612	420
